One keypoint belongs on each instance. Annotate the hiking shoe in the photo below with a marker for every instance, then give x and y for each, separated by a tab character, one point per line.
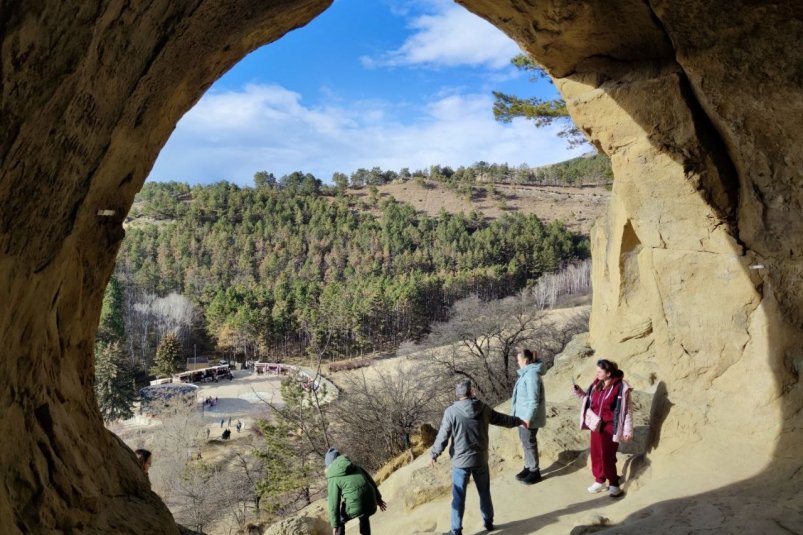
532	477
489	526
521	475
596	487
614	492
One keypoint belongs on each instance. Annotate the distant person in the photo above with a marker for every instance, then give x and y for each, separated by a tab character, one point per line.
222	421
144	459
229	421
607	412
529	404
226	434
207	433
239	425
352	493
466	422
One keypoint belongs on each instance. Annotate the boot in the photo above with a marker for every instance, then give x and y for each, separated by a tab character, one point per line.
532	477
521	475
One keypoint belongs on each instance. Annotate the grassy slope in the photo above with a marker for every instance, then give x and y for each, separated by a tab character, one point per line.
578	208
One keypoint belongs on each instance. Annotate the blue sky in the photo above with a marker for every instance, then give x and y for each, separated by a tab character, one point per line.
389	83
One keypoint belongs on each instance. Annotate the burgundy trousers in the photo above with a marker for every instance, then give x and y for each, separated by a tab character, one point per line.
603	458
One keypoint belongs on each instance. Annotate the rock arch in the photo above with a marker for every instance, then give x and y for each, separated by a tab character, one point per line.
697	103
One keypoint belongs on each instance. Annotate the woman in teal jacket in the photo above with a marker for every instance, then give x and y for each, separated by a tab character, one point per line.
352	493
529	405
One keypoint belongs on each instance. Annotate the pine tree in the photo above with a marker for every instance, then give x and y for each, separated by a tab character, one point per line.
112	325
168	356
294	444
541	112
275	265
114	382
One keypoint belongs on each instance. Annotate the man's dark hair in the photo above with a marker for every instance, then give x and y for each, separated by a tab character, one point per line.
142	456
463	388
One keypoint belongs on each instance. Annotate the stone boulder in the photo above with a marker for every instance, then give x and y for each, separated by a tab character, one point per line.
420	442
299	525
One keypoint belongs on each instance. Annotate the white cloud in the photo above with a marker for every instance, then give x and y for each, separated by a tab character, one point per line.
231	135
449	36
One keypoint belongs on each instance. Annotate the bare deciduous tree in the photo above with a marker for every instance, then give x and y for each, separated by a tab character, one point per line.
480	340
375	418
199	496
175	442
148	318
175	313
573	279
198	492
249	472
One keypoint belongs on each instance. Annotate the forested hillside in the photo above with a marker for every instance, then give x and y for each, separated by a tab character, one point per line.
284	268
593	169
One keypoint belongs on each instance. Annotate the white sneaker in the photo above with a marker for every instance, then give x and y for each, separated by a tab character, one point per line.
596	487
613	492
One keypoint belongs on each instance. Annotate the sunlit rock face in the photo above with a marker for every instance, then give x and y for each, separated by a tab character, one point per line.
697	103
697	264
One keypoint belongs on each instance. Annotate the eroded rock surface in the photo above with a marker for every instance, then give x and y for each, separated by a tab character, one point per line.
90	93
697	272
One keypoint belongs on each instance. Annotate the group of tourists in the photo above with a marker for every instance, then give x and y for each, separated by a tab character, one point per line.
605	411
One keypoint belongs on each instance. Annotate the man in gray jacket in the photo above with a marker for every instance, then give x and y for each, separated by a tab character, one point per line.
529	404
466	423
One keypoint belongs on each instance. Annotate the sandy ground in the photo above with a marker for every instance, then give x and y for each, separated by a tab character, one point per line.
715	484
553	506
245	398
697	501
242	398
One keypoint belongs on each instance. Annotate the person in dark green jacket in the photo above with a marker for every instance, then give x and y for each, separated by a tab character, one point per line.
352	493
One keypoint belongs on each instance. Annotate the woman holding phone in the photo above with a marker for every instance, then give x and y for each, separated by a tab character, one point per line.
606	411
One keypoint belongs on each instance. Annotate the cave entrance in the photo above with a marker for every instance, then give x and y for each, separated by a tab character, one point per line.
92	91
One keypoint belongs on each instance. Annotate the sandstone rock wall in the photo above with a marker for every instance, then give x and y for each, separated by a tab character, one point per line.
697	103
90	92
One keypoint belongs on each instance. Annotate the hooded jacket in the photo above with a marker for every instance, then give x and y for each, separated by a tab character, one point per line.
351	483
529	400
466	422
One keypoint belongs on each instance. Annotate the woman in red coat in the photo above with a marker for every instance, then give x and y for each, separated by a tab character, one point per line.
606	411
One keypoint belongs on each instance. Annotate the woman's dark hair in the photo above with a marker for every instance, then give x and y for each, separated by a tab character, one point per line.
610	367
142	457
527	354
